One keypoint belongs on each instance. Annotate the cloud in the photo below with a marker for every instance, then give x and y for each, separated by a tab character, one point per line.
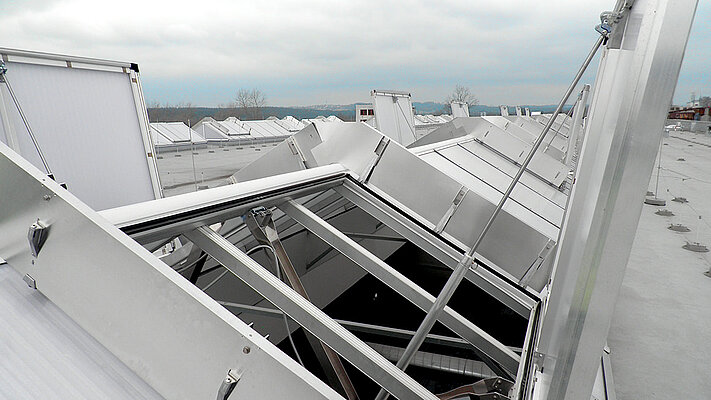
321	50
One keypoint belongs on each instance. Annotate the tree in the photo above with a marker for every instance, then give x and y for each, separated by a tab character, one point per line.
250	102
167	112
462	94
705	101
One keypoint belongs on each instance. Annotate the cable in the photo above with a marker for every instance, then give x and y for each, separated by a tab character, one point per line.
180	270
278	274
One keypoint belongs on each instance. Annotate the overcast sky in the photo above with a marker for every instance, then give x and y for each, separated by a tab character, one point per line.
315	52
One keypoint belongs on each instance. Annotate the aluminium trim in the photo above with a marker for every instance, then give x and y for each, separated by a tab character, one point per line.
61	57
149	147
152	220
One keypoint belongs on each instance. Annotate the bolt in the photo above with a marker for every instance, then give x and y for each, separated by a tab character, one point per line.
47	197
246	350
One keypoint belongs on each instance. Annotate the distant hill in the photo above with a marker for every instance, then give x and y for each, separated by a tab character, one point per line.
345	112
428	107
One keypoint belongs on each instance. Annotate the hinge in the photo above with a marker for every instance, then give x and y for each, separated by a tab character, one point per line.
36	236
228	385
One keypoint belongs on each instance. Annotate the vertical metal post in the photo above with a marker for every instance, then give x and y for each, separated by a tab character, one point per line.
659	166
192	154
633	89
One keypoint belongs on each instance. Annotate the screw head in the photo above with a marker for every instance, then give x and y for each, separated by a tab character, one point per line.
47	197
246	350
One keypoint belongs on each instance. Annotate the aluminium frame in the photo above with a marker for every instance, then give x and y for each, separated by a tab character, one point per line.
168	217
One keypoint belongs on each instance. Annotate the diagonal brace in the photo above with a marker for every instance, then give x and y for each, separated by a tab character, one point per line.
260	223
310	317
464	328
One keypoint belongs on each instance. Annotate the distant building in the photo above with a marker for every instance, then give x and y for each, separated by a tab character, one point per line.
689	113
364	112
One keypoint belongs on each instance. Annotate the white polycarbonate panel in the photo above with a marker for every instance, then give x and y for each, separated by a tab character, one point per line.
394	116
533	181
491	183
87	125
212	131
174	132
511	147
460	109
509	244
516	150
551	147
393	176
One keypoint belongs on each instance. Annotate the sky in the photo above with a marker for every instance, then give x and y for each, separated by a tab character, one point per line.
334	52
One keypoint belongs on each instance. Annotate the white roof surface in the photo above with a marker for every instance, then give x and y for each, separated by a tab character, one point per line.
165	133
431	119
46	355
234	129
330	118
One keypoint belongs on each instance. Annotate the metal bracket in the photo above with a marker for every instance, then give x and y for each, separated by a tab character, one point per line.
30	281
452	209
489	388
295	150
537	264
379	150
37	235
609	18
228	385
